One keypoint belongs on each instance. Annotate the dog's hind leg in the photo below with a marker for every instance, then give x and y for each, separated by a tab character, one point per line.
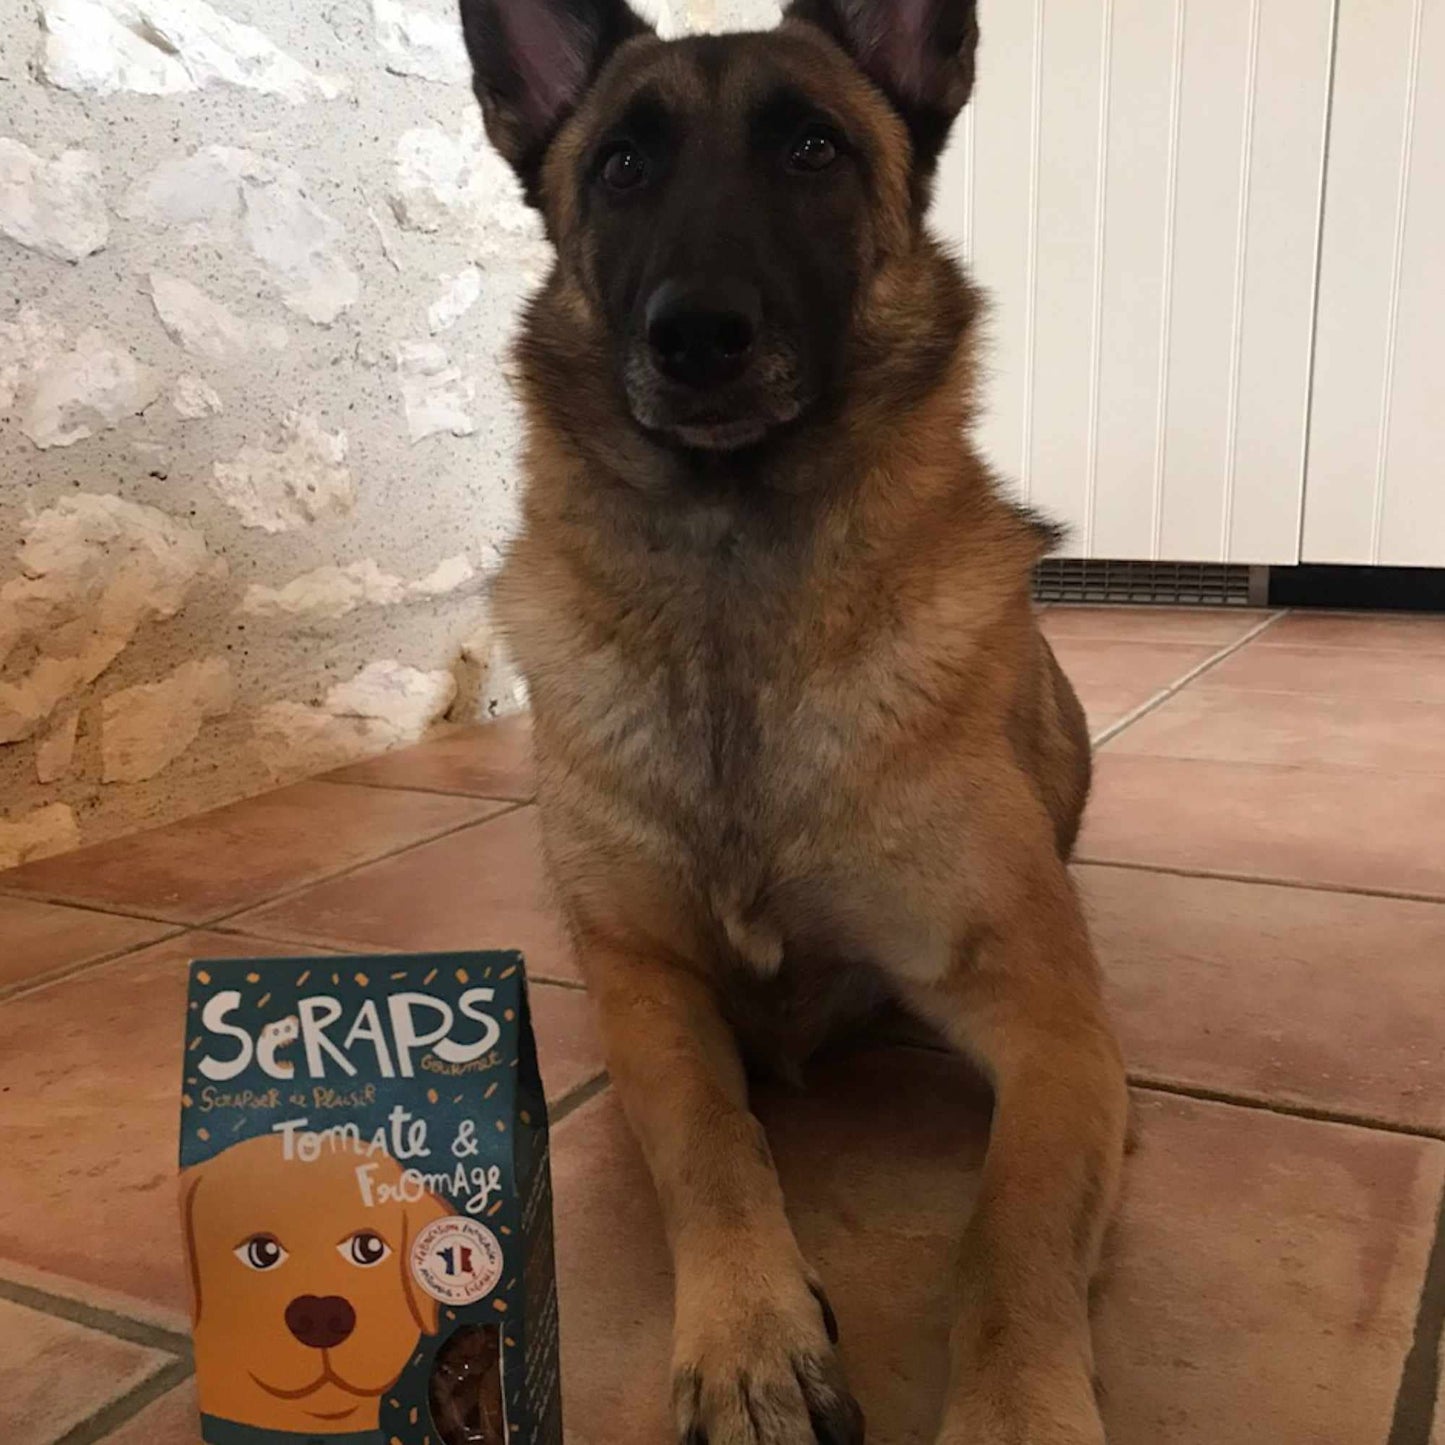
1025	1004
753	1335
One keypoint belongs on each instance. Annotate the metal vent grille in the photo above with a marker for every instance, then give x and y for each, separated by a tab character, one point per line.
1193	584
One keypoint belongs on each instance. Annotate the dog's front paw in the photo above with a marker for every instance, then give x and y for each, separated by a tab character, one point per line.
751	1371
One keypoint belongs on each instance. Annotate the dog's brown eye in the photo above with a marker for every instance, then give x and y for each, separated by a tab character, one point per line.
364	1248
625	168
261	1252
814	150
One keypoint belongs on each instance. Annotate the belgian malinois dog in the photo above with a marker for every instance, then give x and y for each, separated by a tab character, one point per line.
803	751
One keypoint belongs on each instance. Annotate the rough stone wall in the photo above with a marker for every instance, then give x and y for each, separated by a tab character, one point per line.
258	271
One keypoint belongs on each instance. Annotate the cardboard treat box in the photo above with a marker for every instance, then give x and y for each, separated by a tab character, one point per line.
367	1205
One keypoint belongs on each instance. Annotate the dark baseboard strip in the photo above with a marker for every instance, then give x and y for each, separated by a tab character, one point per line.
1348	589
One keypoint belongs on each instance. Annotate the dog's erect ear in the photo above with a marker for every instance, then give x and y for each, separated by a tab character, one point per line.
532	61
920	53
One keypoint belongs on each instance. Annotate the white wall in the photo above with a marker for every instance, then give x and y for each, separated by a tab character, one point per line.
256	450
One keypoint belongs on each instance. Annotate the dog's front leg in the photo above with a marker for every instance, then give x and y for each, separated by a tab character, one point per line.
753	1335
1025	1004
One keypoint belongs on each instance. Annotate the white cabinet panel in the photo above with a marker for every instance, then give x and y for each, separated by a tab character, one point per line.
1278	281
1120	519
1206	261
1059	348
1138	186
1376	491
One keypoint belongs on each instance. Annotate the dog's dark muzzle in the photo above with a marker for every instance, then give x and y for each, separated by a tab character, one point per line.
707	369
703	334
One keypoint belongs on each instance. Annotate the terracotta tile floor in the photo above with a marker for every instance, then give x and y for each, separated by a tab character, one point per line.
1264	868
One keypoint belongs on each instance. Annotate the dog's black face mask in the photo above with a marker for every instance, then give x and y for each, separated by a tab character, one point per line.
722	203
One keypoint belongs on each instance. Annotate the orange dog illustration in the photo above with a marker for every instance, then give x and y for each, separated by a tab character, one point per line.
304	1306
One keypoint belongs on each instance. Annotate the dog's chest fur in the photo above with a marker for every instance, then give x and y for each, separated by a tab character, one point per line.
707	710
725	711
732	768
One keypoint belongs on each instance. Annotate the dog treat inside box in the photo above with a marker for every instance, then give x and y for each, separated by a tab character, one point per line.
366	1203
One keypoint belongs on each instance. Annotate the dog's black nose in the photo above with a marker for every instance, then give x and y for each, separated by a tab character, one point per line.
702	333
320	1324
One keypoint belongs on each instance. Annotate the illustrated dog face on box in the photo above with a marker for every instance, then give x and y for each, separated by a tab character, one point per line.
303	1297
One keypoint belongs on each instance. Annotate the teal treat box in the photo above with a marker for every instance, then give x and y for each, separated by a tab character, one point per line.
366	1203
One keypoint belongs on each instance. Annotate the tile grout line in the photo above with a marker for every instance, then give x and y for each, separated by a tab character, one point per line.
1343	649
1109	733
213	924
509	803
59	900
1317	695
95	1317
56	900
70	970
124	1408
1284	1108
1260	880
1328	766
573	985
50	980
1416	1402
578	1098
287	893
423	788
